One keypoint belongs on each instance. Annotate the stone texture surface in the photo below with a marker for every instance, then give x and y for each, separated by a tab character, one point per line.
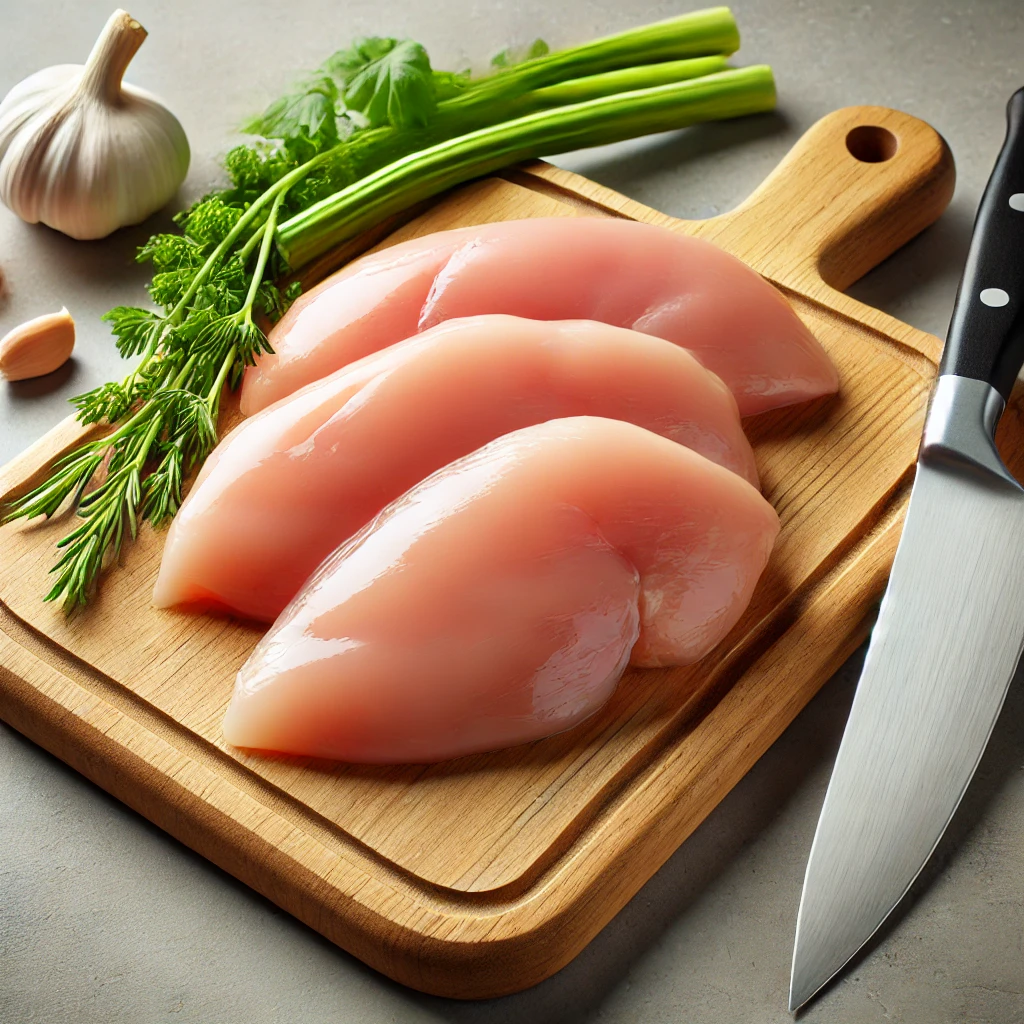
103	918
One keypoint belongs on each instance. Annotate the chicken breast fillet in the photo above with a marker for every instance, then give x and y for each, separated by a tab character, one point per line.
620	272
500	600
287	486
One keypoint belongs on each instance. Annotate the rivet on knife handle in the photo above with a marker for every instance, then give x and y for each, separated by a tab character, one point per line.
986	334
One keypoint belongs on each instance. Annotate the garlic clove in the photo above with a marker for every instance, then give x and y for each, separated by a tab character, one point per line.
85	153
37	346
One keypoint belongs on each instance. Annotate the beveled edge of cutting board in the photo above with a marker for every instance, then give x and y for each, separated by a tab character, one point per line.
470	946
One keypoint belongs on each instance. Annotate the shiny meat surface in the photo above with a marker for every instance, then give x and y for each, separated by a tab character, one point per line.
620	272
288	485
499	600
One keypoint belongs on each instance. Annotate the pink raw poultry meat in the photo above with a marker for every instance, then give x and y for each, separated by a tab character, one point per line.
500	600
287	486
617	271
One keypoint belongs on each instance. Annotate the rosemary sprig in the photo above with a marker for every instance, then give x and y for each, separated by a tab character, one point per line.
169	404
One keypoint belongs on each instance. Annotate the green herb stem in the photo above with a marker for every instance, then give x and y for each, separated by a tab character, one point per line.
213	398
261	260
697	34
608	119
250	246
215	257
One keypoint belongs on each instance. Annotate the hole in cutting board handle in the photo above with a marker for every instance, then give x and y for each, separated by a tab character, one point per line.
871	144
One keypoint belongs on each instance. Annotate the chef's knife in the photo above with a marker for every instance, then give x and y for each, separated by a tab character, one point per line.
951	627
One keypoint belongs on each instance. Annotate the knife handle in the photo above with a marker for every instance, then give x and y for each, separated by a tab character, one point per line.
986	333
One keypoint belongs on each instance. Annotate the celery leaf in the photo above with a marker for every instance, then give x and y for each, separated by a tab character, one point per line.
509	57
307	113
389	81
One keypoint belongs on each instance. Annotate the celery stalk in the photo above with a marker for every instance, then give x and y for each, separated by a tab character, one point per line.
644	76
697	34
686	46
595	122
373	150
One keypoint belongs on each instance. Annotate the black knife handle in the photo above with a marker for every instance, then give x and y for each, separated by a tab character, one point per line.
986	334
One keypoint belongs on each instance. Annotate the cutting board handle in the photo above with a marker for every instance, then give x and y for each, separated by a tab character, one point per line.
859	184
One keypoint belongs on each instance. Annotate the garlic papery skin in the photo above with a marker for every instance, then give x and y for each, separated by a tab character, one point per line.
85	153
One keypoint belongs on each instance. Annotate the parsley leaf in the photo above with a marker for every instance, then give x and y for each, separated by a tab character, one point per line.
254	167
209	221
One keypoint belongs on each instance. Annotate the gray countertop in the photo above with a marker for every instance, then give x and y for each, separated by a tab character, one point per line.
103	918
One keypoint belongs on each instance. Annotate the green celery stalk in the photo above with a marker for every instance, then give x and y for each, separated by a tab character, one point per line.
697	34
372	150
592	87
595	122
686	46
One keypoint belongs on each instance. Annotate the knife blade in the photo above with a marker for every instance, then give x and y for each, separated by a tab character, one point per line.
950	630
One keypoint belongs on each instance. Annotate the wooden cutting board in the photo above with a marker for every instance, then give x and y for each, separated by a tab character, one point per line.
485	875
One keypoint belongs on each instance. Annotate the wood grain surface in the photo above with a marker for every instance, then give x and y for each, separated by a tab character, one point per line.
483	876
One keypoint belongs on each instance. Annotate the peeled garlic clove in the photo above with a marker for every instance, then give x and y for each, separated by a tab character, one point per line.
85	153
37	346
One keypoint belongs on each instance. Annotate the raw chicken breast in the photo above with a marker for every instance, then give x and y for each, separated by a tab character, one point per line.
287	486
617	271
500	599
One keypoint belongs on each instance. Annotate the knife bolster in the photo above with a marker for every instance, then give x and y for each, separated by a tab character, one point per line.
960	430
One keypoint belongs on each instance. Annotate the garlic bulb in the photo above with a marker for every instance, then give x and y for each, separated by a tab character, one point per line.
84	153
